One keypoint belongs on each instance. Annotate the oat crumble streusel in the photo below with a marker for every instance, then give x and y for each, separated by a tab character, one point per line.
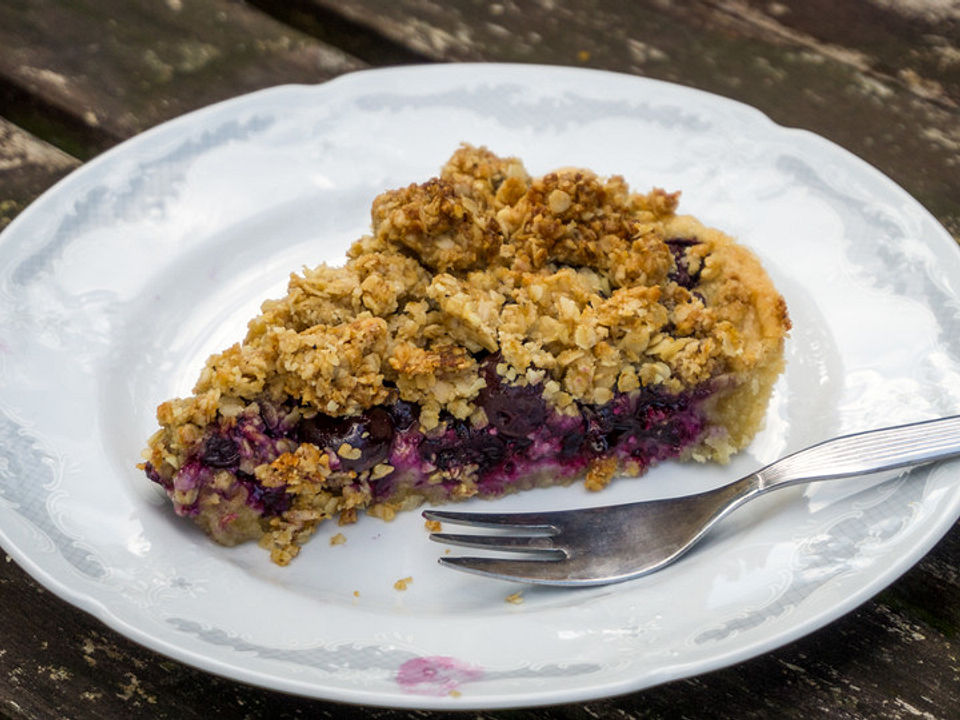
494	332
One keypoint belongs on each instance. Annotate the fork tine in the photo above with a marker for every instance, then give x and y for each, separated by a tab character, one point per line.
542	545
526	521
570	572
549	571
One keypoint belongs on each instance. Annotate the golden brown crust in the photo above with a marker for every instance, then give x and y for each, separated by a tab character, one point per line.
444	230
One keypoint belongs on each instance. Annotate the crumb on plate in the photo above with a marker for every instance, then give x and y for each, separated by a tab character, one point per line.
402	583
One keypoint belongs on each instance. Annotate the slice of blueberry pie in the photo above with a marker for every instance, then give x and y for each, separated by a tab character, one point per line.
495	332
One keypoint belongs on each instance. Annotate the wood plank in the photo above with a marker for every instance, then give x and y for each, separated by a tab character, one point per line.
915	43
120	66
28	166
896	118
333	28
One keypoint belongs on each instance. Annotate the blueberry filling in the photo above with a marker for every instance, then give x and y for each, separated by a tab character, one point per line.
371	433
462	445
523	435
404	414
269	501
154	476
220	452
682	275
513	410
571	444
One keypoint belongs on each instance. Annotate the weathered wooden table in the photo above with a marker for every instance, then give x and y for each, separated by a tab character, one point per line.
880	77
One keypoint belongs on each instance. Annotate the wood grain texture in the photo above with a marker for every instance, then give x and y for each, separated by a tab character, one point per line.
28	166
912	43
873	97
121	66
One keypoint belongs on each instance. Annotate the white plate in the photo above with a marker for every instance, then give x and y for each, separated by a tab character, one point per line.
117	283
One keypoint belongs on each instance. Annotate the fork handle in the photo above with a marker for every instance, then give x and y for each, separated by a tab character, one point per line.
866	452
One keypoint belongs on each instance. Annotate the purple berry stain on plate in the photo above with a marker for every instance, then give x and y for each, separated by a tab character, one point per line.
436	675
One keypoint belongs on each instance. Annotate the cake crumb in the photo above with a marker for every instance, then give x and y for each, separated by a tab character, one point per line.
338	539
433	525
402	583
356	593
455	693
381	470
600	474
515	599
349	452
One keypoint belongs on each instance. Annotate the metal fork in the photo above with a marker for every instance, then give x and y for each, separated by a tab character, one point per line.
598	546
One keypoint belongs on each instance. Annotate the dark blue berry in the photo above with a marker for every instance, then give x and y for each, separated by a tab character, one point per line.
571	444
446	458
404	414
461	429
270	501
370	433
604	426
513	410
682	275
379	424
470	446
153	475
220	452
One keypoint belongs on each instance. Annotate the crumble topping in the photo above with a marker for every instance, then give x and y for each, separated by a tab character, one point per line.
569	277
